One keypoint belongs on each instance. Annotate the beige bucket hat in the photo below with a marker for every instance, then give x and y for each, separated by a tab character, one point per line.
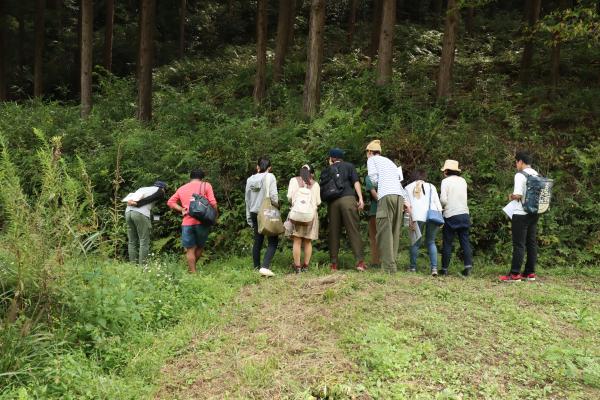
374	145
451	165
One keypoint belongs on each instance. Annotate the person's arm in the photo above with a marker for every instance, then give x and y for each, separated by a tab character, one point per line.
517	193
173	204
358	190
374	195
292	187
444	193
209	193
154	197
372	171
317	192
247	199
435	199
273	192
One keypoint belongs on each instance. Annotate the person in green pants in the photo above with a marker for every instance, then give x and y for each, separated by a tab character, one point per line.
390	204
137	216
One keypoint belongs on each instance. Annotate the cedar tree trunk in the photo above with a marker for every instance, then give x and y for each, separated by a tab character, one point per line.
448	49
146	59
386	42
312	83
260	80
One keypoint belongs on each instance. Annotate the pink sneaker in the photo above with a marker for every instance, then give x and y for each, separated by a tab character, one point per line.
529	277
333	267
361	266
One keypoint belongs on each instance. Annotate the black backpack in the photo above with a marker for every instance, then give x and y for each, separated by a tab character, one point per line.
201	209
537	194
332	185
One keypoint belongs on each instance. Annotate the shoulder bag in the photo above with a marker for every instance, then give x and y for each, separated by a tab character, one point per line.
434	216
201	209
269	216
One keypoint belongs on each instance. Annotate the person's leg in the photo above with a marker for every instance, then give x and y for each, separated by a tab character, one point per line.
188	240
385	238
335	229
296	249
531	244
307	251
414	249
190	256
519	232
144	228
273	241
351	222
430	234
373	240
201	232
258	241
447	246
465	245
132	238
397	220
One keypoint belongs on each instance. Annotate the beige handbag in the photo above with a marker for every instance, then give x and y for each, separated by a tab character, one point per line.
269	217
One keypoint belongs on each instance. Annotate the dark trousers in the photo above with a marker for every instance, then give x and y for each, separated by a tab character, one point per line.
448	234
258	243
524	238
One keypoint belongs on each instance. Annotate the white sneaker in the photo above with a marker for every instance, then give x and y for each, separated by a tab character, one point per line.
266	272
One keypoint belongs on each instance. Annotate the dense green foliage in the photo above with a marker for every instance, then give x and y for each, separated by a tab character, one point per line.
77	322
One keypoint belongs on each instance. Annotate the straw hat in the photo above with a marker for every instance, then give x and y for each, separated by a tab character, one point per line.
375	145
451	165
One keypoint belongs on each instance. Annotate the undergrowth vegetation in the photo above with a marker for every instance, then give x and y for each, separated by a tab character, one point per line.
78	322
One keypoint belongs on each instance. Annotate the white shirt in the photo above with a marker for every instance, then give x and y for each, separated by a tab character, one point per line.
420	206
453	196
521	187
140	194
384	174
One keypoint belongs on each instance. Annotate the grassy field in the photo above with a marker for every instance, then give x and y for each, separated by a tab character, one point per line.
374	336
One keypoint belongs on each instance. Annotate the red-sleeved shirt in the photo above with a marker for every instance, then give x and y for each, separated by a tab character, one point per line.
183	196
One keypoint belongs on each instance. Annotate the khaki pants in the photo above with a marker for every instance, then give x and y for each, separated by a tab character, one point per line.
138	233
389	225
343	212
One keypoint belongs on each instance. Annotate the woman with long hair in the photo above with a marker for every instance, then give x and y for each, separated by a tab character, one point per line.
423	196
304	195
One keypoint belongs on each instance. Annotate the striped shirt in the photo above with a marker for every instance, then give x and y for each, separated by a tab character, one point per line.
384	173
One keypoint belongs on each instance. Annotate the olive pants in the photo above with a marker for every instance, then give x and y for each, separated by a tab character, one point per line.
389	225
138	233
343	213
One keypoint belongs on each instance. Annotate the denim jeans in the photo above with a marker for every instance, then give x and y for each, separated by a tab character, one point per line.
273	241
460	229
429	231
524	238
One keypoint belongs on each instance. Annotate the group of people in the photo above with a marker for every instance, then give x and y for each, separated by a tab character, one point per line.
340	187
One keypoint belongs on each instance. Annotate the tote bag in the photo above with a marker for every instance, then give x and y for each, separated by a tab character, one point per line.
434	216
269	217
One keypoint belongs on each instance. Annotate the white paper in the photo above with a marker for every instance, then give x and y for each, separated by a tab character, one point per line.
414	233
130	196
509	209
400	174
